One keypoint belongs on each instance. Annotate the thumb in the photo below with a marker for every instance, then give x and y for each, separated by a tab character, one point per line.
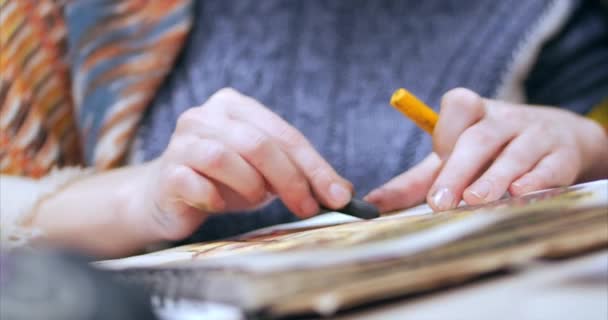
407	189
460	109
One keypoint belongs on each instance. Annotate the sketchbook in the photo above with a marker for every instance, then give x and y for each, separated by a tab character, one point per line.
333	262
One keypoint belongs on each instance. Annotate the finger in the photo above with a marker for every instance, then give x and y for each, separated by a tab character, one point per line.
215	160
556	169
237	203
408	188
262	152
331	189
187	197
475	148
517	158
460	109
183	185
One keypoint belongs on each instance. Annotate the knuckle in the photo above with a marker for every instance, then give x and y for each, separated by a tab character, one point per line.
550	171
539	129
552	137
297	188
188	118
256	190
256	144
463	100
510	114
543	173
290	137
176	177
319	174
229	91
483	138
214	156
222	99
177	148
479	135
516	157
226	93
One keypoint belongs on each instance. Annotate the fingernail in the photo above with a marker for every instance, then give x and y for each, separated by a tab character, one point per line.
309	207
339	194
480	189
443	199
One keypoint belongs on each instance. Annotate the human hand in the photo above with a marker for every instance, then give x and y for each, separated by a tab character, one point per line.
232	154
484	148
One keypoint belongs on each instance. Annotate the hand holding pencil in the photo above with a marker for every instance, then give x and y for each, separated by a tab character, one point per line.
484	148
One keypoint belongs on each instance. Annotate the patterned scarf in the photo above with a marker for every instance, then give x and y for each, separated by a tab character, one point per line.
81	105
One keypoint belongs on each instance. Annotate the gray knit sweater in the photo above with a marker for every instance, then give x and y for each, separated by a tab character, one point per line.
329	68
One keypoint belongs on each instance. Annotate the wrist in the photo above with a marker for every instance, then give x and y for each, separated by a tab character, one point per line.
136	205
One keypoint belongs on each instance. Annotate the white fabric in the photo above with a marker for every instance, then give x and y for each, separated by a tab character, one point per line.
18	198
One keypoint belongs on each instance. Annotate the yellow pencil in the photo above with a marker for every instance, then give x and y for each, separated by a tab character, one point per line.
421	114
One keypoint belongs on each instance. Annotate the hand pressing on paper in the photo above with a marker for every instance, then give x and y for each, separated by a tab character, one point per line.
484	148
229	154
232	154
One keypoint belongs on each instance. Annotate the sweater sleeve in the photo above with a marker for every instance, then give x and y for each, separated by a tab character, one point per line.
572	68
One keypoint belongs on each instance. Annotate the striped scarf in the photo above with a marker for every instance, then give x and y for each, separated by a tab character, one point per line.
77	76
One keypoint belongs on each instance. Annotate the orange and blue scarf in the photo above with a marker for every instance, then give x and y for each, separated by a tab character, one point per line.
77	76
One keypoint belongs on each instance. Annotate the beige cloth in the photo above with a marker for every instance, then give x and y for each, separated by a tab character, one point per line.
19	197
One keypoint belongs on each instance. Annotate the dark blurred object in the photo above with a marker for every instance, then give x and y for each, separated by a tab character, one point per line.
357	208
54	285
